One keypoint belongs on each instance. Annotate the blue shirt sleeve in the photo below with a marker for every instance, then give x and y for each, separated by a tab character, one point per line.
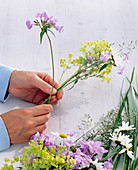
4	137
5	73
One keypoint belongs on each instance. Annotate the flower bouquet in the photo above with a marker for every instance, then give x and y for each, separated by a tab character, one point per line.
97	59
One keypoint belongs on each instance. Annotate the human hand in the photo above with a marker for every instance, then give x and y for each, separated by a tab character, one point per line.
34	87
21	124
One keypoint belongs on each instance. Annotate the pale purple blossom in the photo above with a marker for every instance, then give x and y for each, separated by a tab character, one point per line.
127	59
45	22
46	139
39	15
36	137
121	70
60	29
29	24
108	165
105	56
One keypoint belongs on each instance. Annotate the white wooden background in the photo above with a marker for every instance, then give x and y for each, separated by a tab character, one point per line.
83	20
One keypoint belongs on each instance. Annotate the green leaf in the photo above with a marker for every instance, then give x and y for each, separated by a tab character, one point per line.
116	162
41	36
76	81
134	164
125	164
132	74
104	66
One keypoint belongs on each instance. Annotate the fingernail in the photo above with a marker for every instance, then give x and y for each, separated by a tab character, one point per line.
46	124
54	90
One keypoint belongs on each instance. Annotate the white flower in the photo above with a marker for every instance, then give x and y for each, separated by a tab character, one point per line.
61	137
114	136
129	153
99	166
125	127
122	139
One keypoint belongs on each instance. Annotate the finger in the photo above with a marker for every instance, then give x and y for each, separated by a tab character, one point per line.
44	86
41	109
40	120
54	103
47	78
60	94
41	96
54	100
40	129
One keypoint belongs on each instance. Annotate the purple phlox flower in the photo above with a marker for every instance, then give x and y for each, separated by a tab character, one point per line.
44	15
105	56
46	139
60	29
69	143
109	159
89	57
36	137
39	15
71	134
32	158
84	67
82	160
53	21
95	146
108	165
121	70
29	24
85	147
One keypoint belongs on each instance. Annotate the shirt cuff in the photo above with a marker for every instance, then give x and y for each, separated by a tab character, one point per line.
5	73
4	137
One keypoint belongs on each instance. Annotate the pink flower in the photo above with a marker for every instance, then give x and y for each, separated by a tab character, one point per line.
29	24
108	165
105	56
121	70
60	29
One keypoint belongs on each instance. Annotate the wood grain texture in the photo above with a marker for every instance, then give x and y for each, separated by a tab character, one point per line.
83	20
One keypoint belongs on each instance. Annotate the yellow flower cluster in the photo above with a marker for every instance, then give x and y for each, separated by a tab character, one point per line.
94	48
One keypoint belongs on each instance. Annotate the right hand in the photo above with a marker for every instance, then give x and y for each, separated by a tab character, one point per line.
21	124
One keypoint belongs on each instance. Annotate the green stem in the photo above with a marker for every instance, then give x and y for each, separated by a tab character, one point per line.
114	151
48	100
70	78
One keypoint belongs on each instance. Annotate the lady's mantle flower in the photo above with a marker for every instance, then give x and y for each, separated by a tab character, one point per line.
61	138
125	127
105	56
99	166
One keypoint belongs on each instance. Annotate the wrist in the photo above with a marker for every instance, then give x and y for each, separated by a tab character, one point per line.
12	79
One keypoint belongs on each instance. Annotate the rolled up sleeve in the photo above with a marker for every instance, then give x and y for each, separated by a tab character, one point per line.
5	73
4	137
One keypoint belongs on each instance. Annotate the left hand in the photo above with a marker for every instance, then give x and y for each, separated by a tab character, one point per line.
33	87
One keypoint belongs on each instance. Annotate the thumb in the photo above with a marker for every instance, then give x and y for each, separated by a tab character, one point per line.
44	86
